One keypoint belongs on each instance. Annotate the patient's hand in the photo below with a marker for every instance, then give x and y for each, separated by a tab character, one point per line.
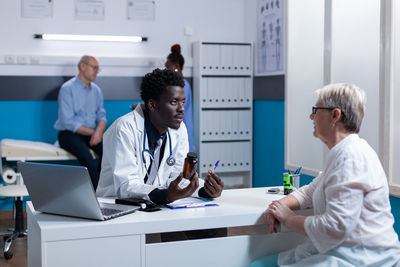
95	138
280	211
273	223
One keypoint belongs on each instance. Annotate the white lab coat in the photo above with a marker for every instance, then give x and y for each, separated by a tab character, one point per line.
123	170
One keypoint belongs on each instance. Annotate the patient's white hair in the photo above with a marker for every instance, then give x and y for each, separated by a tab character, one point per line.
349	98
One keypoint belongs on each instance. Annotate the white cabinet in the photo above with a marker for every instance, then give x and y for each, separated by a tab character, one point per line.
223	110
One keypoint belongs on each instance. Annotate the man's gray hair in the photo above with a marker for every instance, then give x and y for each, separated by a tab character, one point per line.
349	98
85	59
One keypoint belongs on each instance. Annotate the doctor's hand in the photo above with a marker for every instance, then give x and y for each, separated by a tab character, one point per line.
213	184
175	192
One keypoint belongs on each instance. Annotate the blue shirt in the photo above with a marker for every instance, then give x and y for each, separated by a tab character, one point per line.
188	115
79	106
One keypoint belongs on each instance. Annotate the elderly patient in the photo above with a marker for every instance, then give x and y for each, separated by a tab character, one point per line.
353	224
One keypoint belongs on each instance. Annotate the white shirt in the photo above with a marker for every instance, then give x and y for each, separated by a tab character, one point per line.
123	170
350	200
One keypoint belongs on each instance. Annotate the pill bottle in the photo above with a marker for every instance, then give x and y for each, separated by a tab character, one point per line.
190	165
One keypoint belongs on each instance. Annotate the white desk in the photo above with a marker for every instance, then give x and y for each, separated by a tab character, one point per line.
64	241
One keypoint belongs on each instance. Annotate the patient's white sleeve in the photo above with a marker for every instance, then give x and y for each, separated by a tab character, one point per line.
305	193
344	192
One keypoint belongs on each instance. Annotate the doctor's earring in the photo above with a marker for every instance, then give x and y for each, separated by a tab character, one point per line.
333	125
176	70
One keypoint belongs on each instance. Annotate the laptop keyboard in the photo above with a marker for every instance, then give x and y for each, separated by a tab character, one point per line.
109	212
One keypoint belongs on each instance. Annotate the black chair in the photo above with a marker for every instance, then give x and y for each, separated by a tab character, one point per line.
18	192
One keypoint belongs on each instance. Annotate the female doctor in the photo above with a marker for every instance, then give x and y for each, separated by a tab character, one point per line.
144	150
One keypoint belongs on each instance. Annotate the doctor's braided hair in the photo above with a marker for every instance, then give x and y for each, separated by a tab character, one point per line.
154	84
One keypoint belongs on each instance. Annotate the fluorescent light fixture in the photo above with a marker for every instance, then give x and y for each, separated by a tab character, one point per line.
99	38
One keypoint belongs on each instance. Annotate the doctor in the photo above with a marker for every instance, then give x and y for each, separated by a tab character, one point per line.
144	150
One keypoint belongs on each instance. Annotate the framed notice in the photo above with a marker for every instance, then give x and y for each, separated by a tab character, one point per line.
270	51
89	9
37	8
141	10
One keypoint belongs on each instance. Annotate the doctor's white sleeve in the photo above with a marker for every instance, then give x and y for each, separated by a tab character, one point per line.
121	153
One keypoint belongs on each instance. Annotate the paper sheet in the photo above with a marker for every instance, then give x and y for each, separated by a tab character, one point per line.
31	145
191	202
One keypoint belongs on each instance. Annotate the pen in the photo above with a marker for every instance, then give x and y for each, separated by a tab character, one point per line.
289	171
216	165
298	170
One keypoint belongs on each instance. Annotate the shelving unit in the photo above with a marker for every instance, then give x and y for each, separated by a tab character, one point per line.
223	110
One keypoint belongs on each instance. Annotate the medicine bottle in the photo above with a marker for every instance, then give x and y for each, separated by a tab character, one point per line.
190	165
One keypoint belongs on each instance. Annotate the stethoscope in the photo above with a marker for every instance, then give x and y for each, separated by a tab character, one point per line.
170	160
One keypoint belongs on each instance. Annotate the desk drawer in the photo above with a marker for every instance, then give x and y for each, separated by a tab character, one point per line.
110	251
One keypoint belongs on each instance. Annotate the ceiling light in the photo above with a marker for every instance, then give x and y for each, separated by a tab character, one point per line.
98	38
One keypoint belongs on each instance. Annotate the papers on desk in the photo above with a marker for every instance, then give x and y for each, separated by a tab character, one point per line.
191	202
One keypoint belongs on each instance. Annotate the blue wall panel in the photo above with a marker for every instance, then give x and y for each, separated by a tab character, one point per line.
34	120
29	120
117	108
268	142
395	202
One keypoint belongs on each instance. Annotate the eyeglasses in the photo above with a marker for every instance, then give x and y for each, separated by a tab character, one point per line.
314	109
95	68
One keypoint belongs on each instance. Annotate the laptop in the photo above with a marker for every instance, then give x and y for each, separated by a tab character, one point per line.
67	190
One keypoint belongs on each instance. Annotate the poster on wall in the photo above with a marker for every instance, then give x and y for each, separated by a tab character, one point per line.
89	9
141	10
270	43
37	8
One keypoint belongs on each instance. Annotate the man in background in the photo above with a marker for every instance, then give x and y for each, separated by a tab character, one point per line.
81	117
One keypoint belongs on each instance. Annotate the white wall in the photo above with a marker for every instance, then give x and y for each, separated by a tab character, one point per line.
390	116
329	42
355	56
304	74
250	21
211	20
